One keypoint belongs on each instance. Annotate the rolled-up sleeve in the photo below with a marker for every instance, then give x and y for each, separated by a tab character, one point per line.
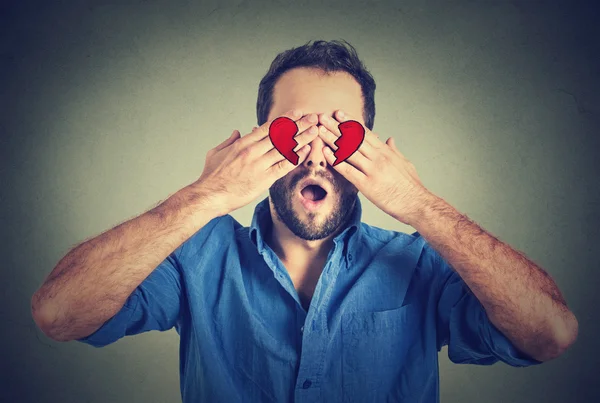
463	325
153	305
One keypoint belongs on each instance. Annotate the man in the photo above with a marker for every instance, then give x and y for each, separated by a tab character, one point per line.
309	303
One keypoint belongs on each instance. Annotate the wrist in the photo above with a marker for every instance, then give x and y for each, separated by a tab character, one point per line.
197	204
423	207
206	198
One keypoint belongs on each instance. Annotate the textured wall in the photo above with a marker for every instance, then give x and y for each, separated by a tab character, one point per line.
107	109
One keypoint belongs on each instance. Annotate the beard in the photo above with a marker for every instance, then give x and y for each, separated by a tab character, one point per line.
282	196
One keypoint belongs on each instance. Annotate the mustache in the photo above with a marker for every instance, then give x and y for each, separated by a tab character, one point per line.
325	176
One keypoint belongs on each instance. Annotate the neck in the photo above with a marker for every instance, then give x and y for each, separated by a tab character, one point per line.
297	254
294	251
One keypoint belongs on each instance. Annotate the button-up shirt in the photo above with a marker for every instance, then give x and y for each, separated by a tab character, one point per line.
384	306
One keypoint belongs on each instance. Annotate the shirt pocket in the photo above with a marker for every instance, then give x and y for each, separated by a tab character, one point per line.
378	354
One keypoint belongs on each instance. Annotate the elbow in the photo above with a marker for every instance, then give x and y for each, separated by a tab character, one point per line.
566	332
564	335
43	317
39	314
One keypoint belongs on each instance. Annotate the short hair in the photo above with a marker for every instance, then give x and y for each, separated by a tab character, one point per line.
328	56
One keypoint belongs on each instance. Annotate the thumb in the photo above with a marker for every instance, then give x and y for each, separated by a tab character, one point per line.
230	140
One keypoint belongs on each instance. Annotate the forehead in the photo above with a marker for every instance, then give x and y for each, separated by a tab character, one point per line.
314	91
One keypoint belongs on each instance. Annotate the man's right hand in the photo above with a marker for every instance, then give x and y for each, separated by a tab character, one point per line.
239	169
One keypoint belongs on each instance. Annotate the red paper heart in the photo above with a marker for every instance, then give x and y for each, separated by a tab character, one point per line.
281	132
353	134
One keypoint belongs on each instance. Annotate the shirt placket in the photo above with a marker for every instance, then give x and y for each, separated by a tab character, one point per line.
315	334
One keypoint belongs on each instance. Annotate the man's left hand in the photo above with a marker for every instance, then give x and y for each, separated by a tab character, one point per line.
378	170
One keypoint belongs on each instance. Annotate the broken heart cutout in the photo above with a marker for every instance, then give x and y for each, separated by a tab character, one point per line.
353	134
281	132
283	129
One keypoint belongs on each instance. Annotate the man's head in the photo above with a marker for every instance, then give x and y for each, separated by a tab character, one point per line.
321	77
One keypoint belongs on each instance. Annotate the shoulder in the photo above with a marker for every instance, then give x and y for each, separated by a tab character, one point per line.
428	262
380	237
214	234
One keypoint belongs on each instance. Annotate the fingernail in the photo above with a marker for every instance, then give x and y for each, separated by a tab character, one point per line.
296	113
341	114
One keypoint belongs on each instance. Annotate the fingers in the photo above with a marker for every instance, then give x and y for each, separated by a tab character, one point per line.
263	131
354	175
273	155
331	126
307	121
283	167
304	136
371	138
357	159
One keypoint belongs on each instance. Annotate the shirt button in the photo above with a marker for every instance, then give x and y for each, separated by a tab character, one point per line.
350	257
302	329
306	384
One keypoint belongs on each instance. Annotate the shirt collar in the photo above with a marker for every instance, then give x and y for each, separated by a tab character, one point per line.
349	237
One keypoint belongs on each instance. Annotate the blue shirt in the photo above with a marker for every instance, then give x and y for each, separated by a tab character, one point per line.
384	305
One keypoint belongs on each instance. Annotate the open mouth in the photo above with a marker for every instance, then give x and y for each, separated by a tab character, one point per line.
313	193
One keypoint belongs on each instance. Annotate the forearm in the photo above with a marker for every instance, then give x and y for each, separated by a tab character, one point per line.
93	281
520	298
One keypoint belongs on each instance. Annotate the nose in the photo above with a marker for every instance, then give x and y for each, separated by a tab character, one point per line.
315	156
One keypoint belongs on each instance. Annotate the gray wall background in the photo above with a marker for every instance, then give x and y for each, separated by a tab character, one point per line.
108	108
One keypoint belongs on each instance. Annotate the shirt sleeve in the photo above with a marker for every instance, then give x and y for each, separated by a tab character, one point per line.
153	305
463	325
